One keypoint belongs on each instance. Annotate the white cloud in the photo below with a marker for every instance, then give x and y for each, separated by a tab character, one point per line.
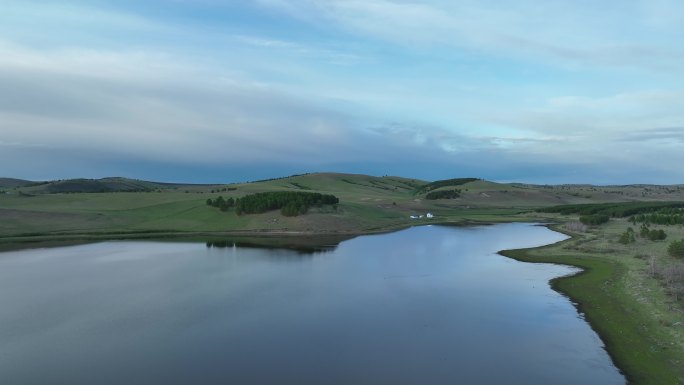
602	118
155	107
241	94
568	33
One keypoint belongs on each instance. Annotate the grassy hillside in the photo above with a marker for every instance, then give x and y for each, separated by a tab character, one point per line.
367	203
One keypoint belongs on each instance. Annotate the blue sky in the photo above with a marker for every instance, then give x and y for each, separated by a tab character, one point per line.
219	91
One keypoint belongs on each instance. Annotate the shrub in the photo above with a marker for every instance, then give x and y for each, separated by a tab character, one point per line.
576	227
676	248
657	235
627	237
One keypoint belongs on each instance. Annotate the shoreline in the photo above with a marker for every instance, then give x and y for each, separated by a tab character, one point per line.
42	240
522	255
599	298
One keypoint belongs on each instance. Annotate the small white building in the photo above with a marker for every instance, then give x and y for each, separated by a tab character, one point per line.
428	216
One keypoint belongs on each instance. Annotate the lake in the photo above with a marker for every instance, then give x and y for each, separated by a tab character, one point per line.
426	305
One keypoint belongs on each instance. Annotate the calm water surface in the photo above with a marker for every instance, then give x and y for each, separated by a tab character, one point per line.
427	305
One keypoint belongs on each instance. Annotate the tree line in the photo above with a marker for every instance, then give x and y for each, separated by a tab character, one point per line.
616	210
443	183
668	217
594	219
290	203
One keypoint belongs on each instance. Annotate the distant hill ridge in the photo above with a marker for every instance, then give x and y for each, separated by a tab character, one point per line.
308	181
12	182
80	185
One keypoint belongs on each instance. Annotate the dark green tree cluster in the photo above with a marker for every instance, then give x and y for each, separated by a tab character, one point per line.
443	183
652	234
223	204
668	217
290	203
224	189
443	194
615	210
594	219
627	237
676	248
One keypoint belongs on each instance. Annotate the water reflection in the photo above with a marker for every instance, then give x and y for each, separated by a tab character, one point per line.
302	246
430	305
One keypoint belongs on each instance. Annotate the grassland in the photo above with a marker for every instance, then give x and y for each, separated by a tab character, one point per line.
367	204
640	324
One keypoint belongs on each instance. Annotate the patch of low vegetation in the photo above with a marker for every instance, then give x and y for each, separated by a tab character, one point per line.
407	184
443	194
444	183
279	178
576	227
300	186
345	180
290	203
670	274
380	185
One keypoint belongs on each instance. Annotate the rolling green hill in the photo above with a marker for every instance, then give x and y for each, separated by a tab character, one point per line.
109	206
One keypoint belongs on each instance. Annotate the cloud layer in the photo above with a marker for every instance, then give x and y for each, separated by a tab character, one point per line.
561	92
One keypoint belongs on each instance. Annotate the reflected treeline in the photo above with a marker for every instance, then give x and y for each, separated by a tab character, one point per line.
300	245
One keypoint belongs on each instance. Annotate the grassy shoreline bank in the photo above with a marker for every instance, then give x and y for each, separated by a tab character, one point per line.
633	338
40	240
